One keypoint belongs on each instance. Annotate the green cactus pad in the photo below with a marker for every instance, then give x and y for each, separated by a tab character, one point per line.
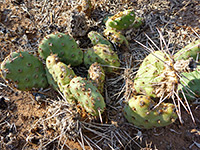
87	95
64	46
191	50
137	23
97	38
102	54
64	73
155	77
115	37
121	20
24	70
140	112
190	84
61	75
97	75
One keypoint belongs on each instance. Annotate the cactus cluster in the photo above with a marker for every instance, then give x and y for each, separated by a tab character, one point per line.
159	77
115	24
60	51
102	50
75	89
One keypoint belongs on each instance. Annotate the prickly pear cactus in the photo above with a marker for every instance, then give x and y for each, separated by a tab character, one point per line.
139	111
102	54
139	21
97	38
24	70
87	95
115	37
191	50
121	20
155	77
190	84
97	75
64	46
61	74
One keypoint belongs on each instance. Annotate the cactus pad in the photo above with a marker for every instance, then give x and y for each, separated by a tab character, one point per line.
191	50
121	20
102	54
61	74
140	112
155	76
24	70
190	84
97	38
64	46
87	95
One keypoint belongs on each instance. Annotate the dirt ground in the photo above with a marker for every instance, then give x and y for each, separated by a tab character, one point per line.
23	115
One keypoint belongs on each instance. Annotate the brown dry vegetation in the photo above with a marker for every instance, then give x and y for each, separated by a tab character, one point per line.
23	23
